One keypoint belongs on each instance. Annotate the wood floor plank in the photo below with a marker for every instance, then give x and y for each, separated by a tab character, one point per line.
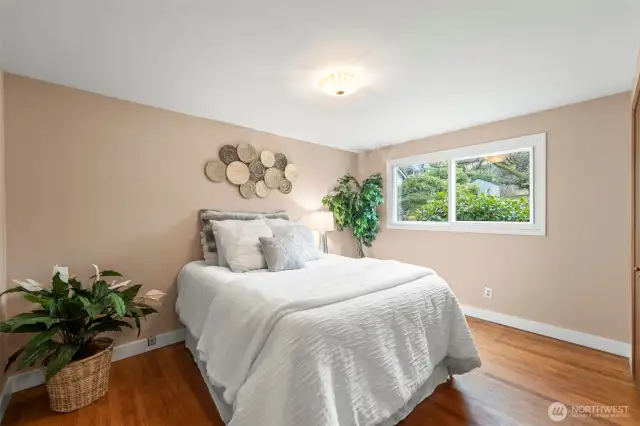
522	374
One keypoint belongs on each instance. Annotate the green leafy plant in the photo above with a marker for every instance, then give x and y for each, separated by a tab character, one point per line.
424	195
354	206
472	206
70	317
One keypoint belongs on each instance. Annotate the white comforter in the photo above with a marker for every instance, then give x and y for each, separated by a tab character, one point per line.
342	345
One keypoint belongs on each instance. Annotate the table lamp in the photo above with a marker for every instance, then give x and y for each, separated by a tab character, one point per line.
322	222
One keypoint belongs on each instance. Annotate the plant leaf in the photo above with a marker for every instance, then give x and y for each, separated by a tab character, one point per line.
38	347
43	352
17	289
27	328
36	317
82	292
138	325
42	337
114	322
109	273
37	299
154	295
13	358
118	304
115	286
107	325
94	310
60	359
144	308
85	302
60	287
75	283
130	293
100	289
29	285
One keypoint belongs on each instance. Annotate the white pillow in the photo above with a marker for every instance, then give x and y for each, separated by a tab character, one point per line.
303	237
240	243
279	221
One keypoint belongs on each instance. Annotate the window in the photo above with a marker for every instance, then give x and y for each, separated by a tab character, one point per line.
495	187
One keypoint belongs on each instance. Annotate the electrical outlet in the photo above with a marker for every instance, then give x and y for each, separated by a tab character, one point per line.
151	341
488	292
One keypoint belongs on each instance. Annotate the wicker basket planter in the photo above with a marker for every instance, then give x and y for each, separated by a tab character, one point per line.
82	382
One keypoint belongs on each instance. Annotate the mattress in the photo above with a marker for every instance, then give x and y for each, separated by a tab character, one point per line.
198	284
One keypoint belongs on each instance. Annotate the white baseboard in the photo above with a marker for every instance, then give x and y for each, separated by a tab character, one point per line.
571	336
5	398
33	378
140	346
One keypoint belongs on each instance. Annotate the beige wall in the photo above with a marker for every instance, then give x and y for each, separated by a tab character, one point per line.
577	277
97	180
91	179
3	272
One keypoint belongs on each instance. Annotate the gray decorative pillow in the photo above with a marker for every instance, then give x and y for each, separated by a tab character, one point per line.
282	254
303	237
209	248
220	259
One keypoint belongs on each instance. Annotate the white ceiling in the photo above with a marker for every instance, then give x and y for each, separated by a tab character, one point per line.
432	66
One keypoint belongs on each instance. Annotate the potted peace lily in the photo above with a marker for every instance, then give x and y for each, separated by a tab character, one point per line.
66	324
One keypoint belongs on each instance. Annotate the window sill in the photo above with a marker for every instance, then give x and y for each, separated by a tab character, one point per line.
473	227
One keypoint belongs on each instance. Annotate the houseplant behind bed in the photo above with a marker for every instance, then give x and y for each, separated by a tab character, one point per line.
70	317
354	206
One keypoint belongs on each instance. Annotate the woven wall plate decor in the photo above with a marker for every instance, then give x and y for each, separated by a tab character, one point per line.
272	177
228	154
291	172
285	186
237	173
247	153
255	173
248	189
256	170
268	159
262	190
281	162
215	170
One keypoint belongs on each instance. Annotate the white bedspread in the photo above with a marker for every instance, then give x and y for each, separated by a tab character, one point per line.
346	344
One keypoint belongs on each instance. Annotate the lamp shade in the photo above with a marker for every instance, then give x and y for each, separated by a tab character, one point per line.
321	221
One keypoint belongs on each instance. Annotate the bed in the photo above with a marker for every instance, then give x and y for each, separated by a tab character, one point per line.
339	342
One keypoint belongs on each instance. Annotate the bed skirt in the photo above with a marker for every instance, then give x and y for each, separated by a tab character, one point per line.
440	375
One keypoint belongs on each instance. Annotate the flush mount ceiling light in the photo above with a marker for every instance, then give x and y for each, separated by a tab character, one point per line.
339	83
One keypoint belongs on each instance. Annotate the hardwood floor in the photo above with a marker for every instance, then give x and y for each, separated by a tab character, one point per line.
522	374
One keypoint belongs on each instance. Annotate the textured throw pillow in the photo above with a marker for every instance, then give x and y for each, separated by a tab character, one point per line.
240	243
209	258
302	237
209	247
222	261
281	253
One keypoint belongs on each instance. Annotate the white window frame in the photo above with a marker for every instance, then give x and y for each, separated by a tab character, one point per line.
536	144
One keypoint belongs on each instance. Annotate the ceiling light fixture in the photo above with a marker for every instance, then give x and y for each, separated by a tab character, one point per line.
339	83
